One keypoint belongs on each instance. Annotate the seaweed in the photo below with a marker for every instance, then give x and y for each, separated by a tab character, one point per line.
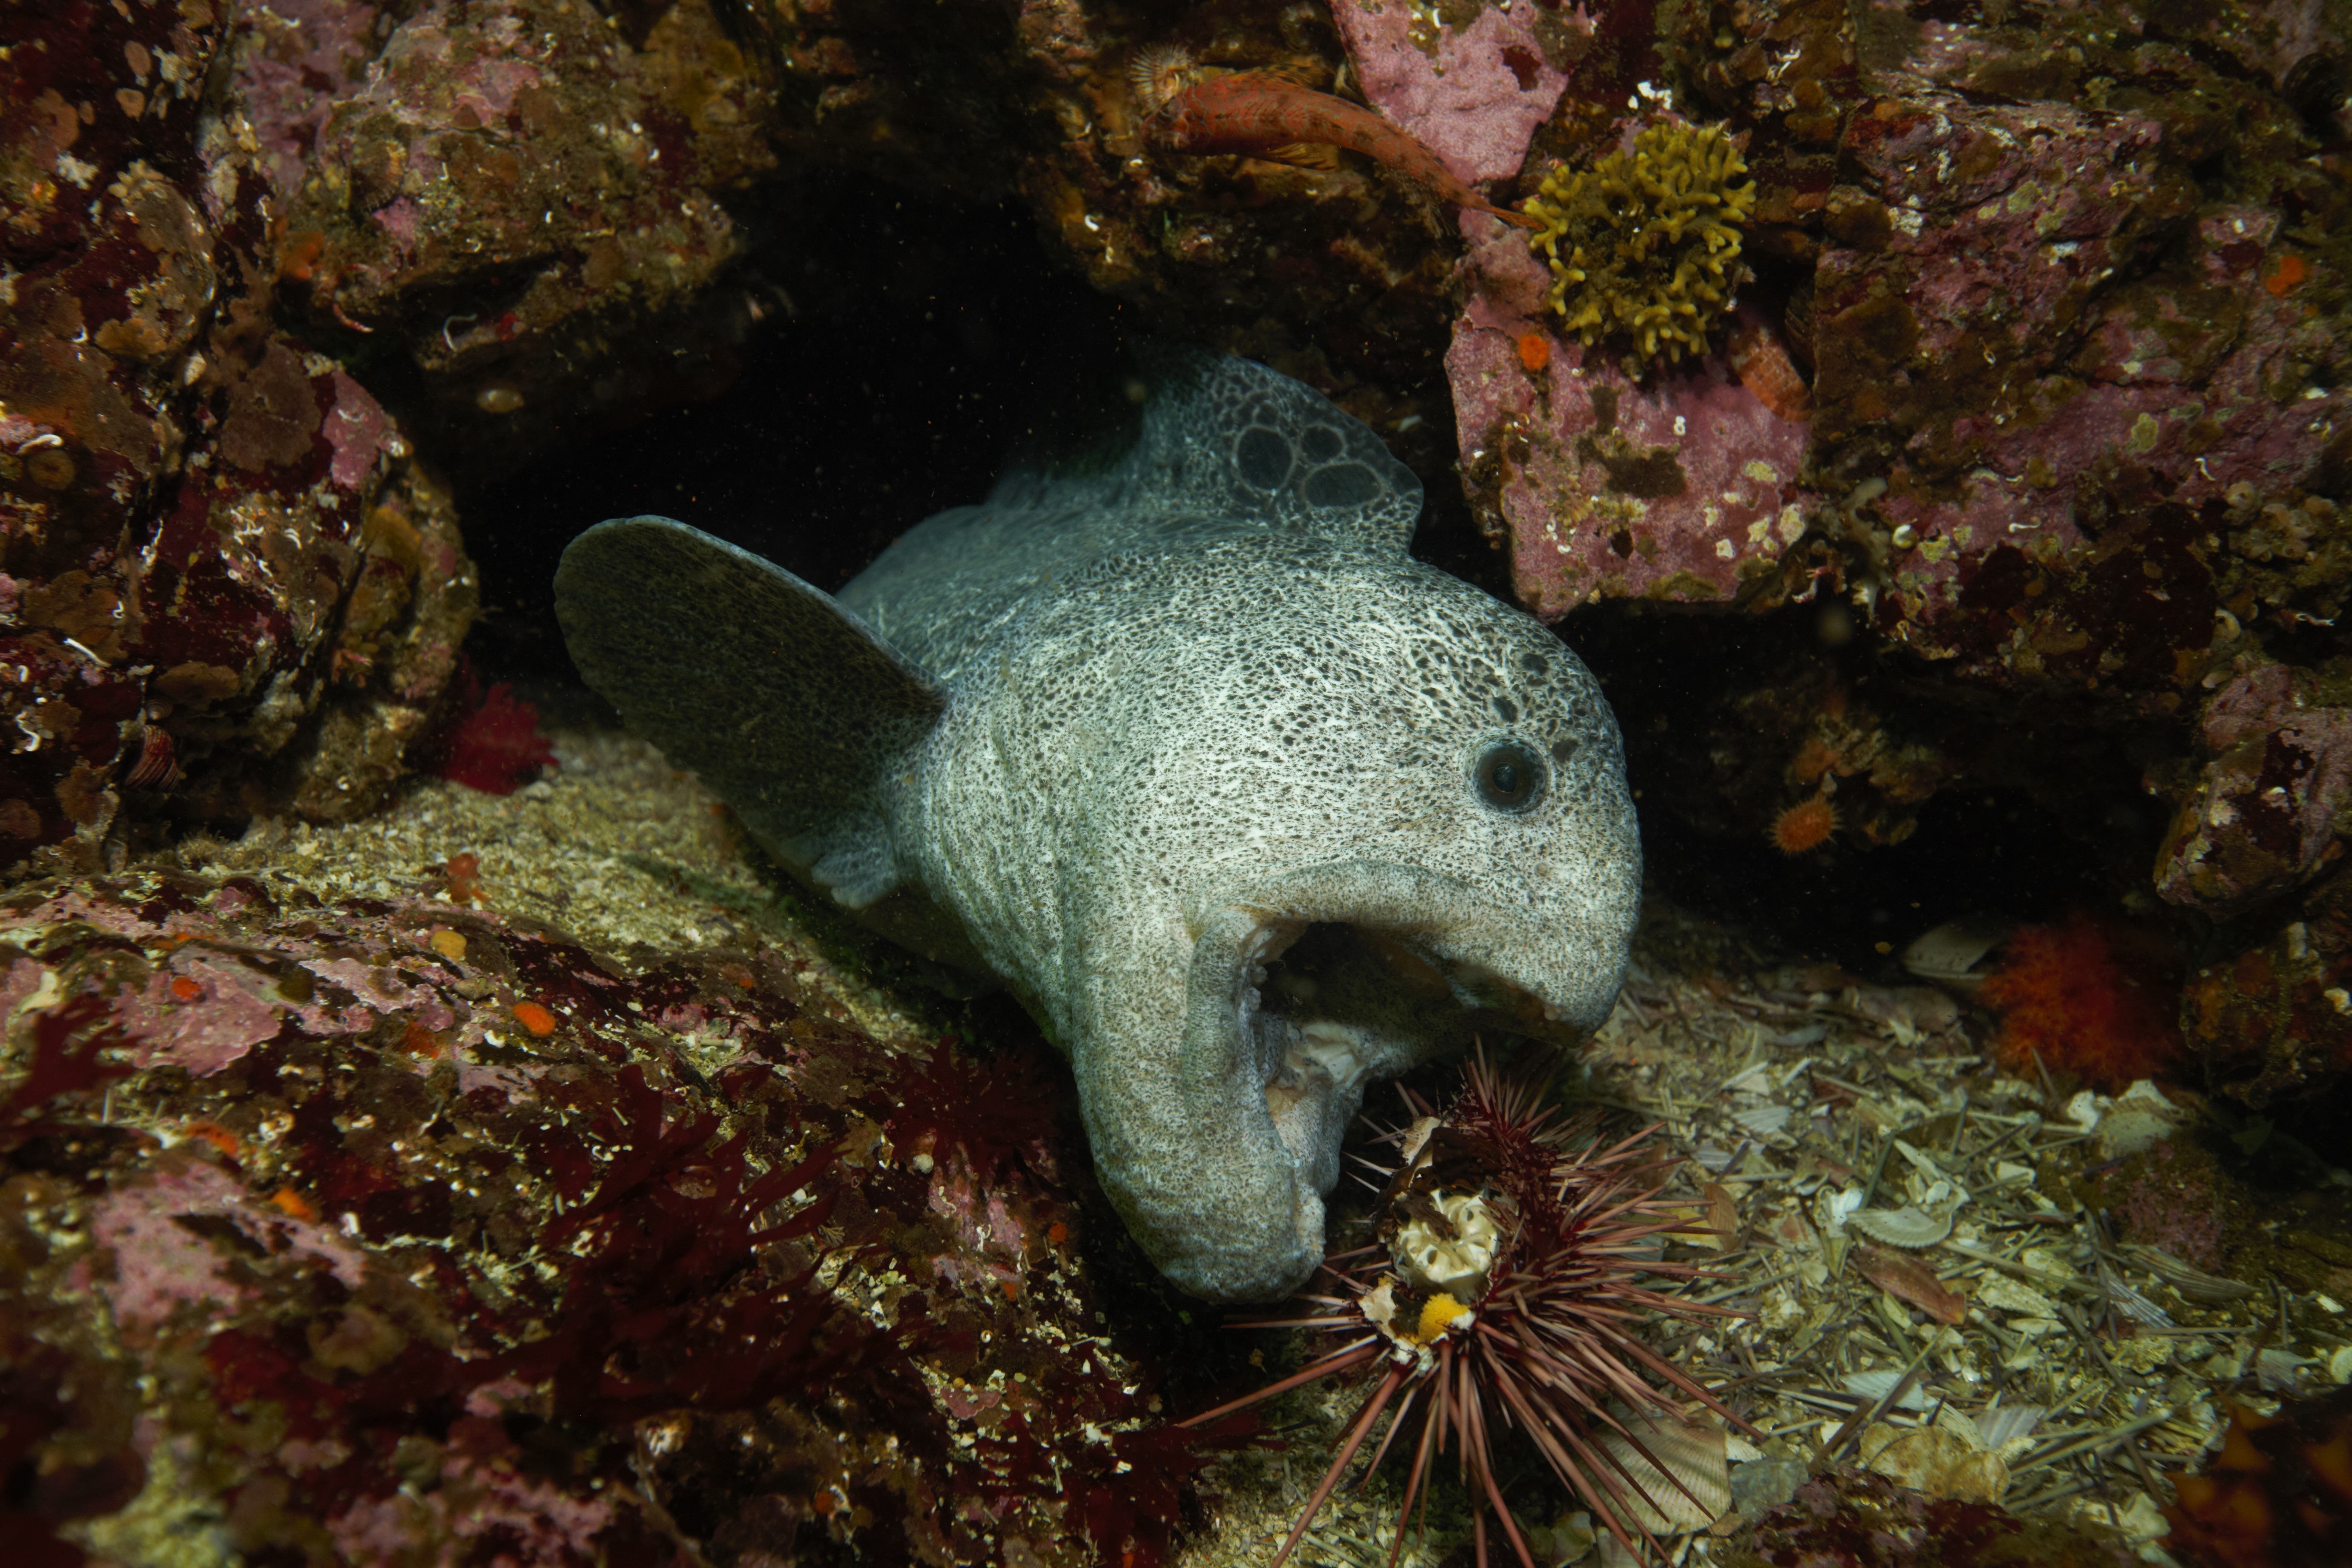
68	1042
1645	244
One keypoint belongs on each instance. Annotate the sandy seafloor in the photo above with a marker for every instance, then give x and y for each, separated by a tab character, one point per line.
1835	1125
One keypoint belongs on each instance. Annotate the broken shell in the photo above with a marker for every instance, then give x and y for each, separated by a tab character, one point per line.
1905	1228
2191	1281
1953	954
2003	1424
1681	1481
2135	1119
1875	1385
2003	1294
1456	1264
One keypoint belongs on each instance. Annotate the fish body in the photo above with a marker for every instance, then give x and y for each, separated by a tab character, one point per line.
1263	116
1248	807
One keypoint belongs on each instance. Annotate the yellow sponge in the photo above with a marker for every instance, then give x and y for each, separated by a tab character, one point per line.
1646	245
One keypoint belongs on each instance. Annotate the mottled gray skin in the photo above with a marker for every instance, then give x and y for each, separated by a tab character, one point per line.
1188	754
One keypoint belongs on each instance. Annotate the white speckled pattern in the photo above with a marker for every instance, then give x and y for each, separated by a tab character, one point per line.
1189	753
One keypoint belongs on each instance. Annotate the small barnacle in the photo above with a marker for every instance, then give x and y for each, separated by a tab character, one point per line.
1645	245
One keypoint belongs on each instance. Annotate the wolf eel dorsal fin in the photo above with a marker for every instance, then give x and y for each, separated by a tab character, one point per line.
789	705
1242	448
1227	450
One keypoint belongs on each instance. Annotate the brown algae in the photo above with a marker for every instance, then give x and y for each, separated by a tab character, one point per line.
1645	244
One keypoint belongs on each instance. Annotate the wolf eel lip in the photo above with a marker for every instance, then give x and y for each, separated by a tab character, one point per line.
1299	993
1282	963
1330	993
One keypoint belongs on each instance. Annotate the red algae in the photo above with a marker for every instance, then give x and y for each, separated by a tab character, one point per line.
2090	998
686	1368
66	1041
496	748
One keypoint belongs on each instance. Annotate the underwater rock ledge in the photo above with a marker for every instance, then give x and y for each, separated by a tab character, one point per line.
404	1227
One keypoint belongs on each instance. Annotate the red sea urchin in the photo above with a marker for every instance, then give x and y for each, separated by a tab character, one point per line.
1508	1282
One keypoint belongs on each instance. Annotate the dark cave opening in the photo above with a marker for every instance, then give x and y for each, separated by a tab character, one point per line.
928	346
2043	816
923	347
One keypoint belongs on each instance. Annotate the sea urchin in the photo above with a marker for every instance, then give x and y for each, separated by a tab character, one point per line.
1508	1285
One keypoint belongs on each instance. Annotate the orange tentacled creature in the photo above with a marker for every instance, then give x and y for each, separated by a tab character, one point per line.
1261	115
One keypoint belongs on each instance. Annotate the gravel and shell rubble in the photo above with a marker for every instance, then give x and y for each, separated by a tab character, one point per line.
1931	1300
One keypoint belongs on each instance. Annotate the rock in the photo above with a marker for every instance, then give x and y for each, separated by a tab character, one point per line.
1849	1519
2065	442
2274	1021
2037	367
2261	816
2038	401
400	1228
211	532
1472	94
2275	1492
1680	484
517	194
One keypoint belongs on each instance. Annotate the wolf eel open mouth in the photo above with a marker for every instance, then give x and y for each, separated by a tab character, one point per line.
1329	1008
1302	992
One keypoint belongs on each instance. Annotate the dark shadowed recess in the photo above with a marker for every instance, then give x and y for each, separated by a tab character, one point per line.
2029	832
922	347
926	346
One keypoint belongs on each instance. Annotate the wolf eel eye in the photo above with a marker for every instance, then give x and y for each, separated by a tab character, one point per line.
1509	776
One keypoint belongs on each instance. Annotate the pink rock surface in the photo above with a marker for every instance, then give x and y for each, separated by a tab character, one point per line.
203	1012
2269	36
160	1264
2040	380
318	1268
1991	305
290	67
359	431
1680	485
2261	817
1475	96
478	1498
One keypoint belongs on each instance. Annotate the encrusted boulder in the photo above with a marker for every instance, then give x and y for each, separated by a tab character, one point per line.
1602	482
2036	373
209	532
2272	1021
2060	371
2036	348
1847	1519
402	1229
519	193
2260	818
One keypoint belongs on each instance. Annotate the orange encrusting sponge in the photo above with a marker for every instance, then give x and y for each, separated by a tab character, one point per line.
2279	1492
2088	999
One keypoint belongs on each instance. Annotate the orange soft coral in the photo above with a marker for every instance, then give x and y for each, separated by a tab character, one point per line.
2088	999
